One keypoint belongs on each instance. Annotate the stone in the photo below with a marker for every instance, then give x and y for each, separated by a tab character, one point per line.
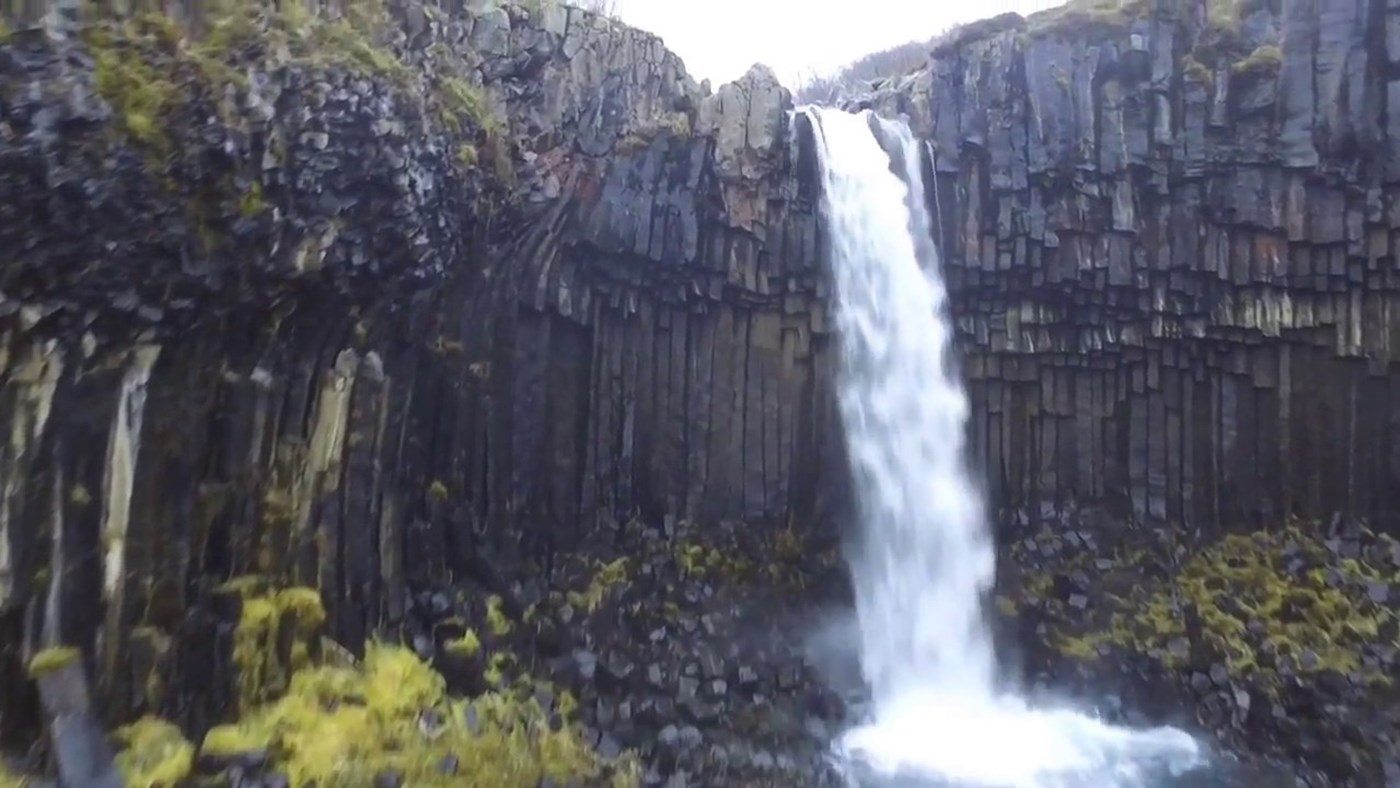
448	765
472	720
687	687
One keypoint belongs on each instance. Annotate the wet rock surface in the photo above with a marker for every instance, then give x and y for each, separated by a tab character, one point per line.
1271	643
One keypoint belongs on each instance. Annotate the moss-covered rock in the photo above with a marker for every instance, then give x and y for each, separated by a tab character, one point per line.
154	754
1081	15
343	727
52	659
278	630
1266	59
1267	604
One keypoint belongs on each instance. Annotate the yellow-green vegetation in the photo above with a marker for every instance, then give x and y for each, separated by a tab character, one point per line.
1111	13
794	557
290	31
468	645
79	495
672	124
464	100
1223	15
252	203
1196	70
142	95
607	578
147	65
696	559
1261	598
1265	59
53	659
9	779
342	727
498	669
496	618
269	619
153	754
437	491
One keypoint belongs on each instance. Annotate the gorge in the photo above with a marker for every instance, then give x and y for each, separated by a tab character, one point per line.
485	329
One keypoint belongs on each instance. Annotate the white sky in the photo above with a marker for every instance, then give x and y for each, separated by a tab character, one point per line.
720	39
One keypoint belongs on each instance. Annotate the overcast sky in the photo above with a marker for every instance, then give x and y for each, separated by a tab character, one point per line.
720	39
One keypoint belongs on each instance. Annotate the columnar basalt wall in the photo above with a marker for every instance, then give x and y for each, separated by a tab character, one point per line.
314	326
1171	239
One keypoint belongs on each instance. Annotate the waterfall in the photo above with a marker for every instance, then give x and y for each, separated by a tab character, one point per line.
925	557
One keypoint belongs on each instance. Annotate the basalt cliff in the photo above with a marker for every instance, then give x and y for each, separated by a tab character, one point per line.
485	328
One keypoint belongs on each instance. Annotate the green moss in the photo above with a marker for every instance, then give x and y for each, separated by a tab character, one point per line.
224	741
496	619
468	645
1246	590
1088	14
263	671
467	156
498	669
437	491
1223	15
141	95
79	496
339	727
153	754
695	559
251	204
351	42
50	660
1263	60
608	578
463	102
1196	70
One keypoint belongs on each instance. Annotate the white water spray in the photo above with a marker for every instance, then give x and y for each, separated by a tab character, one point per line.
926	557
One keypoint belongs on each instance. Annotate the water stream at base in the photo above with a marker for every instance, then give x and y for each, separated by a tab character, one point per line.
925	557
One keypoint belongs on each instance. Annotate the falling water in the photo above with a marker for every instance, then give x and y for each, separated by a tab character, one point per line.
926	558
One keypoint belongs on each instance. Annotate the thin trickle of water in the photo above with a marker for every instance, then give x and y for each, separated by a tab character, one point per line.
925	557
122	450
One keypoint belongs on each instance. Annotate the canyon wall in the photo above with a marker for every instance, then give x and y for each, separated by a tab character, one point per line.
1170	231
381	308
377	305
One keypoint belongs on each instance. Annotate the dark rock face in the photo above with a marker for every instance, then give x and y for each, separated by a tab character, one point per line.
322	323
302	333
1169	240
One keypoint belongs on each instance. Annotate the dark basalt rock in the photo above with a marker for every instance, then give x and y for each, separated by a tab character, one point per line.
312	338
1265	642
